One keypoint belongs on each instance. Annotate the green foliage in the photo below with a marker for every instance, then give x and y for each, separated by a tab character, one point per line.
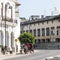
26	38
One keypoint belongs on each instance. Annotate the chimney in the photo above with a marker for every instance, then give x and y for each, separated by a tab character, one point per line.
42	16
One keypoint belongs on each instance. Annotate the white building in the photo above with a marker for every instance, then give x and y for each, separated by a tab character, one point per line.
9	18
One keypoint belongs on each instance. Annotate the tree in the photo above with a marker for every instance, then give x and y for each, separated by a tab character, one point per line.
26	38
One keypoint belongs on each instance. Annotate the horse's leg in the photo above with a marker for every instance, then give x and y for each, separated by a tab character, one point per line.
33	50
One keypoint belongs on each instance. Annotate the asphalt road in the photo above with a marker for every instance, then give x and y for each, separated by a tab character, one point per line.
42	54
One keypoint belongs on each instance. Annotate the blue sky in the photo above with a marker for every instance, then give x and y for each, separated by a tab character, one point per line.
37	7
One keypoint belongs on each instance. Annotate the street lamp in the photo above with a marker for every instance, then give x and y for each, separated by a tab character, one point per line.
16	40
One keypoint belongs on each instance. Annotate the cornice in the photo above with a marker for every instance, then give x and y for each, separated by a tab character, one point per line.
16	2
39	21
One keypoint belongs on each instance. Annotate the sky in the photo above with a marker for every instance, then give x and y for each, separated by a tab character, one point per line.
38	7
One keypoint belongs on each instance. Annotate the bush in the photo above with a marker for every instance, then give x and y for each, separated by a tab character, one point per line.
26	38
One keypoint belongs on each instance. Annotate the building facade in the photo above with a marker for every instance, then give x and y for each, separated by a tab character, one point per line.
45	29
9	15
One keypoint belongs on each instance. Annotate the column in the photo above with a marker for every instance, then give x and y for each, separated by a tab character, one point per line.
3	38
9	39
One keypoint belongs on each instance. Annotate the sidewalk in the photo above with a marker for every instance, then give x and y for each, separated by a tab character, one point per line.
6	56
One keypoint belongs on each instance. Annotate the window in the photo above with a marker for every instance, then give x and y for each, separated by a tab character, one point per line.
38	32
52	27
34	32
48	40
57	39
35	41
39	41
47	31
23	31
43	40
58	30
52	21
47	22
26	30
52	31
43	32
30	31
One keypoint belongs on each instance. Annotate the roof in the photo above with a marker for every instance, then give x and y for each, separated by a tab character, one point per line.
47	18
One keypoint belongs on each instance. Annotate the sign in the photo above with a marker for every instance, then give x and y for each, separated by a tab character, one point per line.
16	40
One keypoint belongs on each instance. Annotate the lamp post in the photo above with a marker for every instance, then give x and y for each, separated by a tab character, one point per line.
16	40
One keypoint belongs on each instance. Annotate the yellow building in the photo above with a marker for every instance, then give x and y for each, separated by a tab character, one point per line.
45	29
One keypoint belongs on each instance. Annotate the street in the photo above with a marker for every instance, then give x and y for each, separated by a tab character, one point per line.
42	54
